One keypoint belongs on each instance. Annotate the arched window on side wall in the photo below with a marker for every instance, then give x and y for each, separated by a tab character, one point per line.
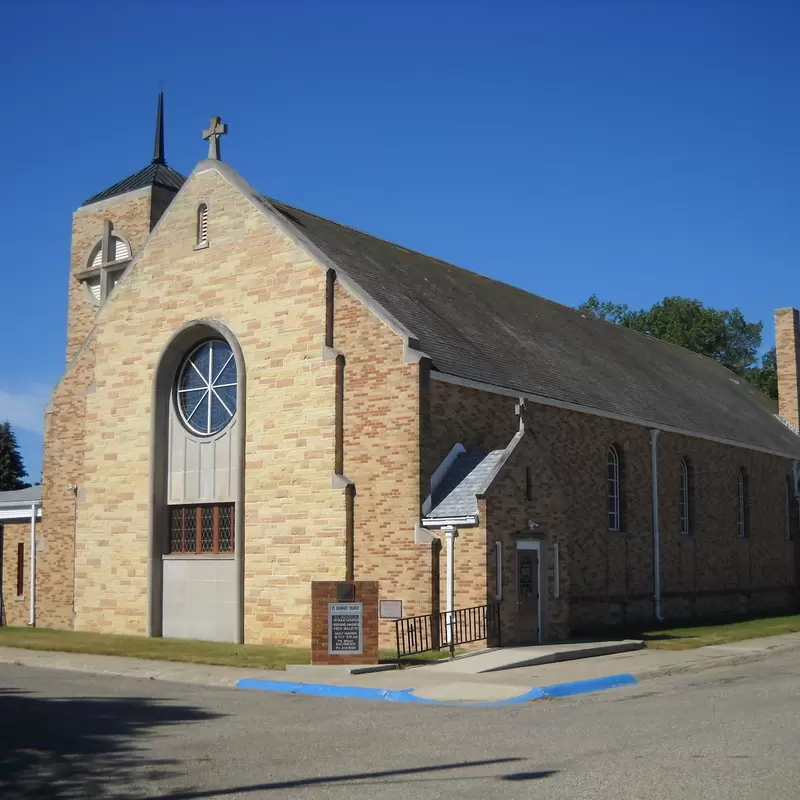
684	497
792	510
202	224
741	504
613	490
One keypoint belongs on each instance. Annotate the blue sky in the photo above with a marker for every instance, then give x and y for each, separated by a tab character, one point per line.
632	149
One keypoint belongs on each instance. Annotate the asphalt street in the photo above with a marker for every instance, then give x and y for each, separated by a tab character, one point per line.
728	733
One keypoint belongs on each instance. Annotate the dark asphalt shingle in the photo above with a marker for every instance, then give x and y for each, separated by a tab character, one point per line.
152	175
455	496
480	329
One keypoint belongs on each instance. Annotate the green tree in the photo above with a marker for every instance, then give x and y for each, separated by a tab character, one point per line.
12	470
725	336
765	376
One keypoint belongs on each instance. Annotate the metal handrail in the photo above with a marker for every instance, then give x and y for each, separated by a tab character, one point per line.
423	633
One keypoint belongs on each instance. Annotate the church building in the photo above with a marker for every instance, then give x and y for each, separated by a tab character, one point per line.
256	397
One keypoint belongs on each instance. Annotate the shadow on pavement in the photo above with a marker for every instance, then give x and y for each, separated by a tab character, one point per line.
362	778
83	747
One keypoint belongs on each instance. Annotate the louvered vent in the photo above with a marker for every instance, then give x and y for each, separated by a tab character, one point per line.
202	224
97	257
93	285
120	248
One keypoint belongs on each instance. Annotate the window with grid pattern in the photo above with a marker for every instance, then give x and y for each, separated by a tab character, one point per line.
201	529
741	503
613	491
684	497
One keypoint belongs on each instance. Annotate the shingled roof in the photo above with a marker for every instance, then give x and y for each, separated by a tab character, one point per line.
456	494
152	175
480	329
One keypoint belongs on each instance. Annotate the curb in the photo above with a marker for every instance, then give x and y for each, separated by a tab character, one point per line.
556	691
716	662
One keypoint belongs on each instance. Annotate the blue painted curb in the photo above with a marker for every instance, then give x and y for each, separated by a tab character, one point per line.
589	686
407	695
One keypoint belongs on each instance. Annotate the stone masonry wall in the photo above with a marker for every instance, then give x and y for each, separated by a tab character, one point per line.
253	279
382	457
64	451
606	576
15	609
131	217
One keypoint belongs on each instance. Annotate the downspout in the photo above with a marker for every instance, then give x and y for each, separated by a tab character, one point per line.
450	532
656	538
32	619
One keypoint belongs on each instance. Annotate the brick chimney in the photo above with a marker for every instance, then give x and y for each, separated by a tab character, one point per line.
787	349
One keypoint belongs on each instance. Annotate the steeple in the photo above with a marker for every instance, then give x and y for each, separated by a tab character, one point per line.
156	173
158	147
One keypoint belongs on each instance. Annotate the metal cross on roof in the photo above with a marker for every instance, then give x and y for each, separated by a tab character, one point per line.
216	129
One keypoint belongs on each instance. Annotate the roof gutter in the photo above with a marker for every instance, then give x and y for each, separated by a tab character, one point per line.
20	511
444	522
32	618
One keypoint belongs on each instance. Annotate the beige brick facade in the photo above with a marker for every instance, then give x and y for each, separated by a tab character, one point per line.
399	423
132	217
14	604
382	457
787	342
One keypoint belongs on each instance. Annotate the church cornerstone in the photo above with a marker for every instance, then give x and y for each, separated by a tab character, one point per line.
344	622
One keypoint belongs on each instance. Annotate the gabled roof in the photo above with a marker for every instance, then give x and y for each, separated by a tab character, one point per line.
455	496
482	330
153	174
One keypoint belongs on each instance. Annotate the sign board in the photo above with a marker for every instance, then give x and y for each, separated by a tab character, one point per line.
345	629
391	609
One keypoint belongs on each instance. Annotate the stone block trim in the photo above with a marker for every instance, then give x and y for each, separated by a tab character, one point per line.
15	608
325	592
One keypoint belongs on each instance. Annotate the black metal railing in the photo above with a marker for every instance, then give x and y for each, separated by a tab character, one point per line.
428	632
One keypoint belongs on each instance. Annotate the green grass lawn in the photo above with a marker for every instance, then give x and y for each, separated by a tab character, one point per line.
230	655
691	636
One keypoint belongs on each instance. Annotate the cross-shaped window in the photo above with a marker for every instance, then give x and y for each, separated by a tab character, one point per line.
106	263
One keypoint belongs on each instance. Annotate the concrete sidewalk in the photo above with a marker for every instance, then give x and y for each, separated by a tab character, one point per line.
430	681
508	658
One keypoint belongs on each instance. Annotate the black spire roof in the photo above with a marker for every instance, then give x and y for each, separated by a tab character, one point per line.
156	173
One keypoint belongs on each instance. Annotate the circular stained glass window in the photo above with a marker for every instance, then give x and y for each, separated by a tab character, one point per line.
206	391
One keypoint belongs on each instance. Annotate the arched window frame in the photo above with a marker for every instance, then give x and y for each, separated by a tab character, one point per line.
103	269
741	504
201	232
792	510
685	497
613	489
207	389
182	341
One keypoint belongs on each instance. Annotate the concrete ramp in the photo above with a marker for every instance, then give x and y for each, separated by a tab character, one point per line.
513	657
